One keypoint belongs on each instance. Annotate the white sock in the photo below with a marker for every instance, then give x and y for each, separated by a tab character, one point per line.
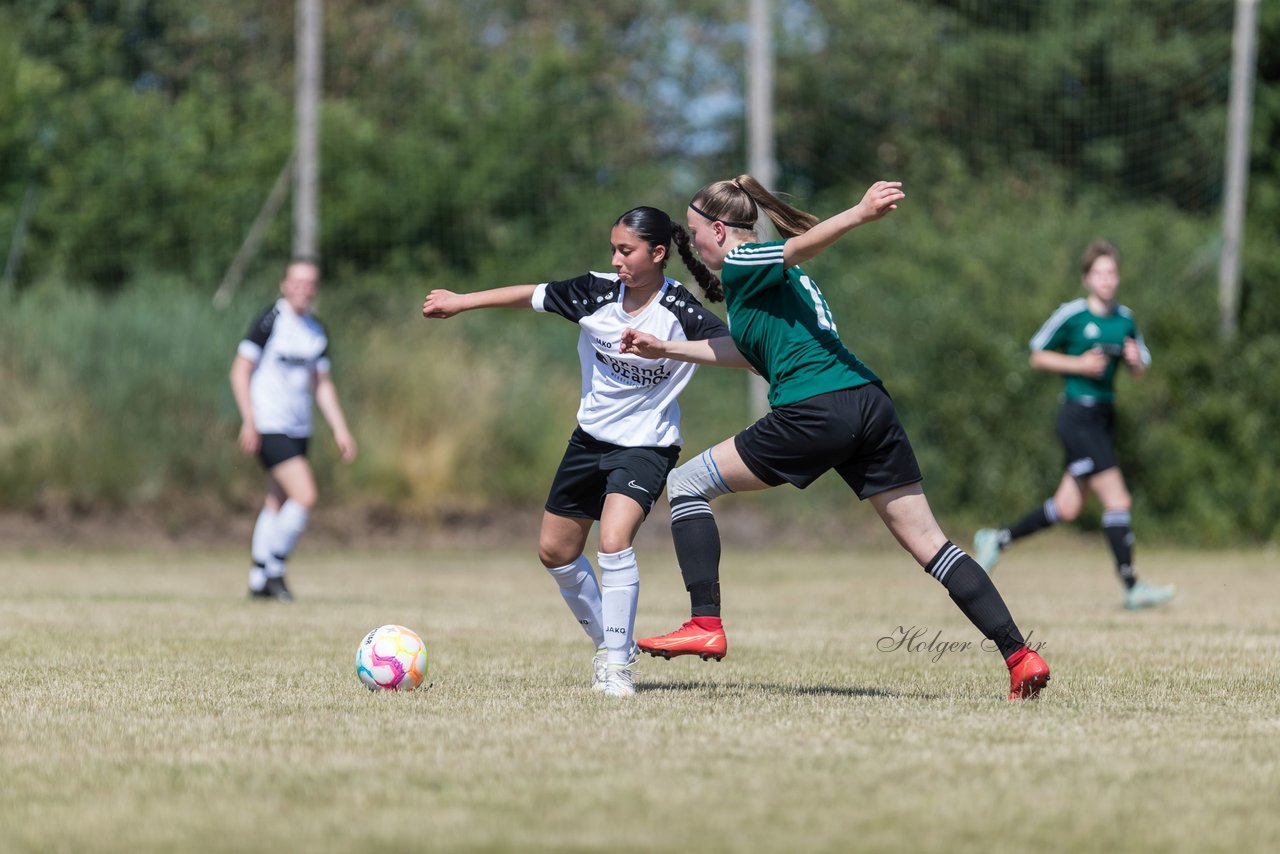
257	577
290	522
579	588
258	549
619	592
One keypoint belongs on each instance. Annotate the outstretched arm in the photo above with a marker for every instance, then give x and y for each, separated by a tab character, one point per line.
881	198
441	303
721	352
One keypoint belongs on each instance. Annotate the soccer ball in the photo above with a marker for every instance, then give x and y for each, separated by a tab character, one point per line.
391	658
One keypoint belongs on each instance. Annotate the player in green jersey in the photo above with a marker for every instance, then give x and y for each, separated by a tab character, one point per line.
1087	341
828	411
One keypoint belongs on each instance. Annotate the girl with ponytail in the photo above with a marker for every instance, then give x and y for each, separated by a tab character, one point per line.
828	411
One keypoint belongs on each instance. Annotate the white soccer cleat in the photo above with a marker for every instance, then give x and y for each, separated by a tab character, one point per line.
1144	595
619	681
599	664
986	549
600	667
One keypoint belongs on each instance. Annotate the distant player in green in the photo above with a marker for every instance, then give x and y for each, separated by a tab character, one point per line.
1087	341
828	411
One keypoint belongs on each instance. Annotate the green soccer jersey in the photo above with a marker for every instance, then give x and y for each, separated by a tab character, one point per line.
781	323
1074	329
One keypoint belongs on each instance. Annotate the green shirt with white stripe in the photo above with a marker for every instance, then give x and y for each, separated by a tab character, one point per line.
782	324
1074	329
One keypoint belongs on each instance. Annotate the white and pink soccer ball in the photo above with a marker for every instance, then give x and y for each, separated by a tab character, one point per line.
391	658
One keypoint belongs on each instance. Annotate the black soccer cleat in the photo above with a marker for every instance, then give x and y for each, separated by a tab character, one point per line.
278	590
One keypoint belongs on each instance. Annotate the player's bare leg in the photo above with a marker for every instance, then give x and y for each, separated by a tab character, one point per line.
293	486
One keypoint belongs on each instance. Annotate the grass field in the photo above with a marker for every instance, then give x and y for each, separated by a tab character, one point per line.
145	705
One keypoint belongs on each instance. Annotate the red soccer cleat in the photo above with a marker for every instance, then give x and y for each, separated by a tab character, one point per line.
1027	674
689	639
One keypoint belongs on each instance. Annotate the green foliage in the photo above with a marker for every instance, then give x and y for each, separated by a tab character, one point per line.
109	406
488	143
471	414
153	130
1129	95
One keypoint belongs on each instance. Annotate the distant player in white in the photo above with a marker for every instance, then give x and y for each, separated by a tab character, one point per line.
279	367
628	436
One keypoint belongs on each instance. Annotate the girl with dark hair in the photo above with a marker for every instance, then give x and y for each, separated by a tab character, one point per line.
828	411
1087	341
628	435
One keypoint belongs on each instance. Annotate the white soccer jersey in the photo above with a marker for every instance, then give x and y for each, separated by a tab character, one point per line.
288	351
627	400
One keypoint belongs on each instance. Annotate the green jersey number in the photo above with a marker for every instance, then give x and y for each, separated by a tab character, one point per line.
820	308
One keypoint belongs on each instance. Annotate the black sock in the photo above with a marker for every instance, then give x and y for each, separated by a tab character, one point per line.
704	599
1037	520
697	544
971	589
1115	524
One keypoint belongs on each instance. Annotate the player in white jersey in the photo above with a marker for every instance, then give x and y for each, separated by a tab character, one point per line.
279	367
628	435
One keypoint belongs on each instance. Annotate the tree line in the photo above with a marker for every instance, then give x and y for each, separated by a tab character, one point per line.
490	142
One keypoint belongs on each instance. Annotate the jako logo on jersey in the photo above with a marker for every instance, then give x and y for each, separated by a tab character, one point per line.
634	374
608	345
293	361
1116	351
1091	330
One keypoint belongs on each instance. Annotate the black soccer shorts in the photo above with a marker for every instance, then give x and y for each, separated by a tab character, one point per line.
277	447
591	469
1087	432
855	431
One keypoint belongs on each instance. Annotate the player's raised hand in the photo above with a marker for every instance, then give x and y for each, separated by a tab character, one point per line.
441	304
641	344
881	198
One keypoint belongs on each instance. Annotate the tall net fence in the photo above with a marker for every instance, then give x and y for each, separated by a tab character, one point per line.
146	136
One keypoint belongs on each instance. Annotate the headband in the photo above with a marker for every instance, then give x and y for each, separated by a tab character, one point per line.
745	225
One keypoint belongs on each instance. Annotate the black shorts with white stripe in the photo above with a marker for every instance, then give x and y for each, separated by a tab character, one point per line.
1087	432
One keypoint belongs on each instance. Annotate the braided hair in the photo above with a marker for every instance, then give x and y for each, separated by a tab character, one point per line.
705	278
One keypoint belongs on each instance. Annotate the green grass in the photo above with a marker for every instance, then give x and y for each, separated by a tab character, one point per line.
145	705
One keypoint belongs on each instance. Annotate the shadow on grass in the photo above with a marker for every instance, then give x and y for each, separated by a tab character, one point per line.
774	688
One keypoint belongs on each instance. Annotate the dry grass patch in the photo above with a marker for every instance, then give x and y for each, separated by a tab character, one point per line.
146	705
